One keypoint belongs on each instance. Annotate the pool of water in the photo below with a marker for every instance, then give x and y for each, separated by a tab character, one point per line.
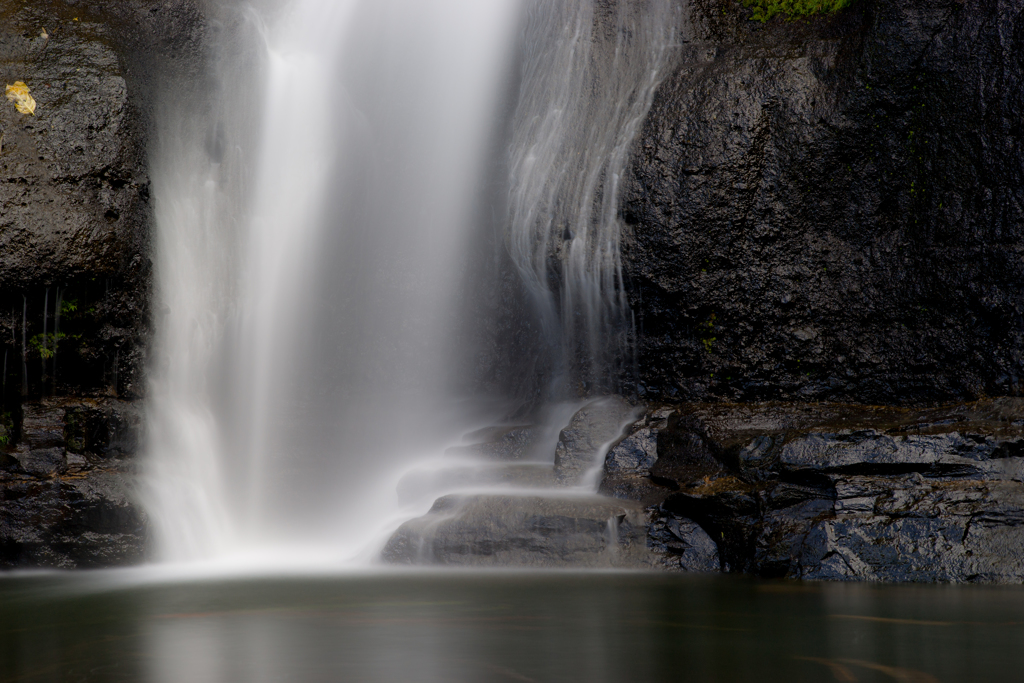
455	626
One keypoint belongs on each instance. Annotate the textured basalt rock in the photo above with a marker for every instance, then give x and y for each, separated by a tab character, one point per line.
840	492
75	239
67	495
75	207
833	209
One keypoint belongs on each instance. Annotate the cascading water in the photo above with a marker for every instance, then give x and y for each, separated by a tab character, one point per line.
316	213
308	269
589	75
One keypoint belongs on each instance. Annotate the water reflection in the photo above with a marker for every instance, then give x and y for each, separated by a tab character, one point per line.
505	627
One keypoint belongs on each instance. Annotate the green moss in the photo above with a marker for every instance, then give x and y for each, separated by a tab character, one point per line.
6	429
763	10
706	328
44	345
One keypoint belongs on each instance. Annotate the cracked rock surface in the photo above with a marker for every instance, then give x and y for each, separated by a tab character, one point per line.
834	492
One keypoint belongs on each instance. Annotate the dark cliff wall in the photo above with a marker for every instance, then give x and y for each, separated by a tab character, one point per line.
75	235
833	209
75	208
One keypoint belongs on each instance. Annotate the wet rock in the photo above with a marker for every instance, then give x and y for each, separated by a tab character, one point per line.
915	528
73	522
807	220
42	425
682	544
75	209
832	492
105	427
66	509
499	443
868	449
627	466
523	531
75	229
686	452
9	462
43	462
634	455
591	432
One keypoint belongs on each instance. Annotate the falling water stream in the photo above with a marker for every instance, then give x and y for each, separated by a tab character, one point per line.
321	198
589	74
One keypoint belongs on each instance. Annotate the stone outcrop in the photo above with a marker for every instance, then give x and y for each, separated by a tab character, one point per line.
808	491
502	504
67	489
593	429
836	492
833	208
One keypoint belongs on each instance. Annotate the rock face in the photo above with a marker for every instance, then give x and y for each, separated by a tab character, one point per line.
67	494
75	273
833	209
682	545
75	210
841	492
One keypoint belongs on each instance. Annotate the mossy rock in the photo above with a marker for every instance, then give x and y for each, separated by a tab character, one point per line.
763	10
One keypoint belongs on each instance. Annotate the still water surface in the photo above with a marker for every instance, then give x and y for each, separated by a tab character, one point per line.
455	627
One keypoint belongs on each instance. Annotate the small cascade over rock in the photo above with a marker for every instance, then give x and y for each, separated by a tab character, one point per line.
493	530
513	510
588	436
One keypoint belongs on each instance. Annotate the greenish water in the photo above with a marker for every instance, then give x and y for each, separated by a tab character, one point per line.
503	627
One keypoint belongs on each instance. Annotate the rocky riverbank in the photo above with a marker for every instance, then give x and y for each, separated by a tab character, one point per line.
808	491
836	492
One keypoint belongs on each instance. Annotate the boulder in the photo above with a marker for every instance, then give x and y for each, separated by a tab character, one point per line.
43	462
591	432
683	545
634	455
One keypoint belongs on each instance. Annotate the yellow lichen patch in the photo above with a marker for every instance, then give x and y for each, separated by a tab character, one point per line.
23	102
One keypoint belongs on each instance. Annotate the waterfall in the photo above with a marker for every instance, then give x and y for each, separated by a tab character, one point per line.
589	75
319	202
312	227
